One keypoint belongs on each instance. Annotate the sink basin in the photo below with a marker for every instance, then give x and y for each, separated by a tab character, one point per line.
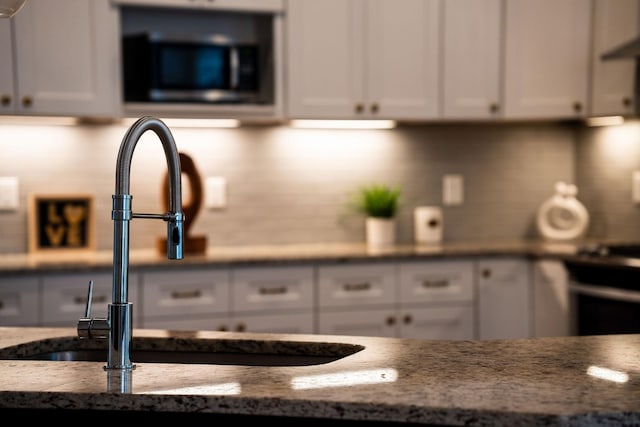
188	350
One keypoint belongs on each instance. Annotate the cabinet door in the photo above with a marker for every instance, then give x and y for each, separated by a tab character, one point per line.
356	285
546	58
65	297
403	51
67	58
7	95
437	323
504	302
612	85
472	59
550	299
381	322
325	62
19	301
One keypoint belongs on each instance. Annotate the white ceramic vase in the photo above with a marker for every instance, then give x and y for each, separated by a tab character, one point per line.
381	232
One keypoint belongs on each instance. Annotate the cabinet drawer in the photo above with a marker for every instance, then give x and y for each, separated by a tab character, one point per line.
185	323
281	323
356	285
436	281
65	297
19	301
377	322
272	288
185	292
436	323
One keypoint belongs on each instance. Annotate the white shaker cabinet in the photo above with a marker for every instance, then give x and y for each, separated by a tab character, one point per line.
437	299
612	81
472	59
358	299
66	56
547	52
363	59
504	298
551	312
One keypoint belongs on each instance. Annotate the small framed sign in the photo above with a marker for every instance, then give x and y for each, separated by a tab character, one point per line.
61	223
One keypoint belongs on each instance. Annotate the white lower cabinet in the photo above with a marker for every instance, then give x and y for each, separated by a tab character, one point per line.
64	297
551	316
273	299
426	300
437	299
19	301
504	302
186	299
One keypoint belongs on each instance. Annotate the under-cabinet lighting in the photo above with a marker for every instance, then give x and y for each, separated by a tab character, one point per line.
605	121
193	123
38	121
343	124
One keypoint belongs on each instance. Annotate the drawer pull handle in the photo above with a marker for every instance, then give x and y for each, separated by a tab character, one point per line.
96	299
273	291
186	294
353	287
440	283
1	305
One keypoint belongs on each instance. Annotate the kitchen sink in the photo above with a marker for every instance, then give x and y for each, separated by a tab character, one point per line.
188	350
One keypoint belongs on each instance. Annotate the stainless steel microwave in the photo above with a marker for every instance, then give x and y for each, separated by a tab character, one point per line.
161	67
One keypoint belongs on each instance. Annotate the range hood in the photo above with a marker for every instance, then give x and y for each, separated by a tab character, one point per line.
630	49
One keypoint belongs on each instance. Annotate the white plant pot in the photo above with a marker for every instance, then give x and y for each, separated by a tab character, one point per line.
381	232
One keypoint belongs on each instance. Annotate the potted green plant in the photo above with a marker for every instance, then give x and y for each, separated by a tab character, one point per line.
379	203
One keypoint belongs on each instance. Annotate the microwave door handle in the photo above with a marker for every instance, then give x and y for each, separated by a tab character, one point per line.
234	68
605	292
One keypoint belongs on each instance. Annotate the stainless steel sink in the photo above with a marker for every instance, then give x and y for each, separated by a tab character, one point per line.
188	350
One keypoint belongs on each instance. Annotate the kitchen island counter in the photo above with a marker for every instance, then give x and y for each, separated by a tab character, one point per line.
544	381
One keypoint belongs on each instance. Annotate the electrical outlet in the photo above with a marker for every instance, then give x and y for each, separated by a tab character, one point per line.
215	196
8	193
452	190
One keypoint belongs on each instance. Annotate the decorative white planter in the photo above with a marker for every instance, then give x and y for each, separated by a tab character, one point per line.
381	232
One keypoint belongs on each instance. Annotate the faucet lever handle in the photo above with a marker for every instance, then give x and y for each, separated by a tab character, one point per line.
87	310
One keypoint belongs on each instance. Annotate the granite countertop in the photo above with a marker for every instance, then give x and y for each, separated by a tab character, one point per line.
278	254
541	381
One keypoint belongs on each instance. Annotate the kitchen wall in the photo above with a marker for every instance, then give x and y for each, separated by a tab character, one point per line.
292	186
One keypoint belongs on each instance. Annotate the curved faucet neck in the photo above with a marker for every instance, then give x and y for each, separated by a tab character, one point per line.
125	155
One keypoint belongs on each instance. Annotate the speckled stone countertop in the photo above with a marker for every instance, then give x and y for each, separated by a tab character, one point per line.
278	254
542	381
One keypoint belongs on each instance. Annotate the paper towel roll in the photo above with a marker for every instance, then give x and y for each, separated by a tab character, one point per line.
428	224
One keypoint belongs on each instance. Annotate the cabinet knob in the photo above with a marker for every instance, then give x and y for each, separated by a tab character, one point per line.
486	273
577	107
359	107
407	319
27	101
494	107
626	101
5	100
375	107
241	327
391	320
222	328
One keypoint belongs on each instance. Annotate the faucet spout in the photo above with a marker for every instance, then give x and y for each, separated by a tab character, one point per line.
120	320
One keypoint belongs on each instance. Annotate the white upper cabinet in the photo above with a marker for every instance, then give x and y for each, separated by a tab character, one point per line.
7	95
547	51
471	77
356	59
612	85
66	59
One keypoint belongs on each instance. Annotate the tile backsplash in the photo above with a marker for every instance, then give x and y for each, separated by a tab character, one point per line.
293	186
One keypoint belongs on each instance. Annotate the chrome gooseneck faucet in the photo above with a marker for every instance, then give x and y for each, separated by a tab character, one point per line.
118	326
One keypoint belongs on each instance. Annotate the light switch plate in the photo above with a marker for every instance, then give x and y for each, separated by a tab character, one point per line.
452	190
215	195
9	194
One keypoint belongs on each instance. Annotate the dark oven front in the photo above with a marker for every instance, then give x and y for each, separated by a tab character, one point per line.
604	299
